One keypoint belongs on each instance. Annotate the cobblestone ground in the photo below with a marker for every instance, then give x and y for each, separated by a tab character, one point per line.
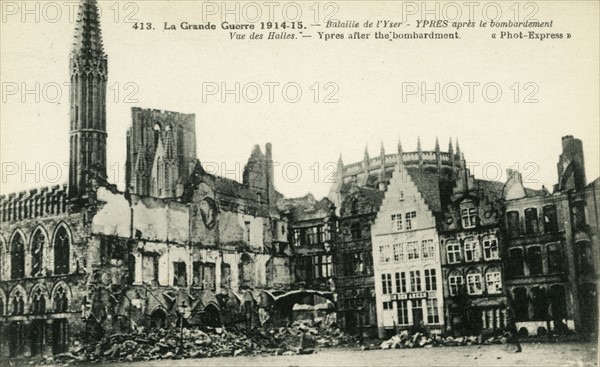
534	354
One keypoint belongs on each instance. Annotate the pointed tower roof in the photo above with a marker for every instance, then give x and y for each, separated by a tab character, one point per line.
366	152
419	144
88	35
437	144
382	162
400	158
450	148
340	161
458	149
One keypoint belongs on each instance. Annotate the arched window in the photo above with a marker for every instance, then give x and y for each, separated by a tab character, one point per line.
453	250
585	258
38	245
474	286
493	280
62	251
455	281
17	257
18	303
531	221
471	249
38	302
558	304
554	258
534	260
513	223
61	301
1	306
490	247
521	304
515	263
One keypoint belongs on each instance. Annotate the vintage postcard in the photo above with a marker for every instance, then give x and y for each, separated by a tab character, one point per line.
299	183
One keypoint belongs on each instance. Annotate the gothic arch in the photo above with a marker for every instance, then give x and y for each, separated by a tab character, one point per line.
61	297
38	299
62	245
15	232
65	286
35	288
19	293
38	250
17	252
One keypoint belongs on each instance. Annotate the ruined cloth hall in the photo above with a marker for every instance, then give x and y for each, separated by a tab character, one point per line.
404	240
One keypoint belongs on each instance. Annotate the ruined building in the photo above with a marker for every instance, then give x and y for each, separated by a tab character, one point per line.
551	248
408	240
83	260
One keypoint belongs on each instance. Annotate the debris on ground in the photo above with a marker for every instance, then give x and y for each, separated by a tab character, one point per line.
421	340
301	337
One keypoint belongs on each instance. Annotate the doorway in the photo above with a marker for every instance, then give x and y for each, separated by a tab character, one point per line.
59	336
37	337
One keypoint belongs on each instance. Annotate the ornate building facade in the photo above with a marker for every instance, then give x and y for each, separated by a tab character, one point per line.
387	247
472	268
84	260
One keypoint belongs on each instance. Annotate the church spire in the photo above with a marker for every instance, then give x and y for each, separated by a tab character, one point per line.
88	35
88	74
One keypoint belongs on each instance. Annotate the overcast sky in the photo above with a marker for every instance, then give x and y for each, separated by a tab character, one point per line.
167	69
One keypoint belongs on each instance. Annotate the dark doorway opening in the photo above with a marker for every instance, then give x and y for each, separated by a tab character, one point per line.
37	337
59	336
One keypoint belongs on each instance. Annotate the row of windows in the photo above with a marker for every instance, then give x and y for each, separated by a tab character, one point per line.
540	303
16	303
530	261
532	221
470	251
408	224
407	251
474	284
309	236
414	279
314	267
38	253
416	309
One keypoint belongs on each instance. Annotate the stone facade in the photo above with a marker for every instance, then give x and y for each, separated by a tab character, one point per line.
179	245
470	248
552	248
84	260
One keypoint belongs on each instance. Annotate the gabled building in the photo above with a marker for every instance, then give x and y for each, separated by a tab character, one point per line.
470	247
408	283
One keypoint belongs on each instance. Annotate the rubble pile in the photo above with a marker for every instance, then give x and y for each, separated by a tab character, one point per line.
301	337
420	340
167	344
308	334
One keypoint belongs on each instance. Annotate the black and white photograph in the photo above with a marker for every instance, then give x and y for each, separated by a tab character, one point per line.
299	183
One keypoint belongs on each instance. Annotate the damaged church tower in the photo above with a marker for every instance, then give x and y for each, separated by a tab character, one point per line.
88	73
